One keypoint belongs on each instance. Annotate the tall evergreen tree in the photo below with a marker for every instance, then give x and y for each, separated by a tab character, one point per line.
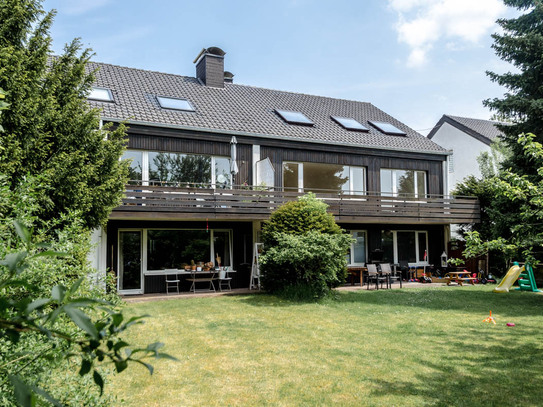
49	129
521	44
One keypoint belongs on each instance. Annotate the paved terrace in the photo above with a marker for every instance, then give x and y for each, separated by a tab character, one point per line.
245	291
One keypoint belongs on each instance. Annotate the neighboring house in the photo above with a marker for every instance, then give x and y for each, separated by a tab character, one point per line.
211	160
466	139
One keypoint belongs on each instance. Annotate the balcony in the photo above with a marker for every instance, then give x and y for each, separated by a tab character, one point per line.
163	202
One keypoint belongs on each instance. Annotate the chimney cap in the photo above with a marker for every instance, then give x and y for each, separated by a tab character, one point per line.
212	51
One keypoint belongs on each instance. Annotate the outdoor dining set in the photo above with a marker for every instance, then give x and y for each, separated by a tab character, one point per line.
199	278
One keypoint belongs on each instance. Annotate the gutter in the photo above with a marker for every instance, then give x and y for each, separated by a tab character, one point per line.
268	136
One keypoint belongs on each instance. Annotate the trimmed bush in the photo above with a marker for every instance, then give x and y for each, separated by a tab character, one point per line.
304	250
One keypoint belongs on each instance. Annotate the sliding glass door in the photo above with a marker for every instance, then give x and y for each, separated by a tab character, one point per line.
404	246
130	277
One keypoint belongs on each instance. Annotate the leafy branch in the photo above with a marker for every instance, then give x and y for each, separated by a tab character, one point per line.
92	337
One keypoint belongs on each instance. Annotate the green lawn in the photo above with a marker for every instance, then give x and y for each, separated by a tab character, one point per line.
409	347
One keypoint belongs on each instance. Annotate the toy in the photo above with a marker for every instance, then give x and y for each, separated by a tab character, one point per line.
510	324
490	319
524	275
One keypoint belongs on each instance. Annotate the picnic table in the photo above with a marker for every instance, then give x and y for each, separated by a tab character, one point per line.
459	277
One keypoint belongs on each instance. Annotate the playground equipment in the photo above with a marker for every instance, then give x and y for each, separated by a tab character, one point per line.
524	275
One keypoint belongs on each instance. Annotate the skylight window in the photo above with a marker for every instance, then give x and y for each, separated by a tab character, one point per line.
174	103
294	117
388	128
101	94
349	124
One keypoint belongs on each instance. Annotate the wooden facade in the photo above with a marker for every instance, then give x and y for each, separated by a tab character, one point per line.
150	205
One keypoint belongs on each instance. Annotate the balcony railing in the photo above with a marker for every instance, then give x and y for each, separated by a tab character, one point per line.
168	201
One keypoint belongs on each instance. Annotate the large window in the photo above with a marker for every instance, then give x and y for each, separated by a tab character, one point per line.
318	177
401	247
403	183
357	252
136	164
177	168
167	248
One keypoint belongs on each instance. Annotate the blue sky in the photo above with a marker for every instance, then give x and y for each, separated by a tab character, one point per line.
414	59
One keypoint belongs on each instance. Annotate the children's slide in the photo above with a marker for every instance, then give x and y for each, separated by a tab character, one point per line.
509	279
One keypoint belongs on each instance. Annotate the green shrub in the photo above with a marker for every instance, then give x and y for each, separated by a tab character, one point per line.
304	250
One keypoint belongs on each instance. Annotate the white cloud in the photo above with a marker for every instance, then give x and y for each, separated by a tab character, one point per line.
423	23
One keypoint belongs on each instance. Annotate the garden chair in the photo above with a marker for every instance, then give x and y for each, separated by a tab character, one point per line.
224	280
172	282
392	275
373	275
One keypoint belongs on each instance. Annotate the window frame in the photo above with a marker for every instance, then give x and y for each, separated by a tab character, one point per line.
170	98
394	192
351	262
109	98
350	191
417	248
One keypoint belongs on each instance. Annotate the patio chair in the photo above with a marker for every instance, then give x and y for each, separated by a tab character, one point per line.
172	282
392	274
224	280
374	275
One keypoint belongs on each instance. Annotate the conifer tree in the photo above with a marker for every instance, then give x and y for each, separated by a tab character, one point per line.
49	129
521	44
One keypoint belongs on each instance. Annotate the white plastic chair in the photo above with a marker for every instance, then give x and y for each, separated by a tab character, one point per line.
224	280
172	281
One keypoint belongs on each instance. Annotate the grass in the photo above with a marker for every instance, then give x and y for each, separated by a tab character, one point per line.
410	347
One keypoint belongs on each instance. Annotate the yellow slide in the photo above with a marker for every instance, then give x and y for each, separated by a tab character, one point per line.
509	279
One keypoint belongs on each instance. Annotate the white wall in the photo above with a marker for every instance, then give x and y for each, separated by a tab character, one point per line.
465	150
97	256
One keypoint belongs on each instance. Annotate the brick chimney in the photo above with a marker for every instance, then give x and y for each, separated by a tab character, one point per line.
210	67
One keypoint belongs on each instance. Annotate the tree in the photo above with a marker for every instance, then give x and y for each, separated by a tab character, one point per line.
304	250
49	128
521	44
525	237
60	176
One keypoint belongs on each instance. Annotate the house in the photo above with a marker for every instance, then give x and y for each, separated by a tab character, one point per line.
466	139
211	159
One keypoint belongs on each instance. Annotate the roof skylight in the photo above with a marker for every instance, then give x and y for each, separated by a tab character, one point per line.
388	128
349	123
294	117
175	103
101	94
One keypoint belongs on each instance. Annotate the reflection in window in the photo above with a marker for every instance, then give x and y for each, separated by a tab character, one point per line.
317	177
136	166
357	251
167	249
176	248
403	183
387	246
221	247
404	247
179	168
222	172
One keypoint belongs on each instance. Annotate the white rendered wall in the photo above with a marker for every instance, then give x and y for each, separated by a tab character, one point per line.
465	150
97	256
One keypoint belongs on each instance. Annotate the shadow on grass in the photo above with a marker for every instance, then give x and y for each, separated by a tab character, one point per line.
450	298
508	374
428	298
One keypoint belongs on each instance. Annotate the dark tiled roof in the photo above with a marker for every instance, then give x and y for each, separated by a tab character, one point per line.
483	130
245	110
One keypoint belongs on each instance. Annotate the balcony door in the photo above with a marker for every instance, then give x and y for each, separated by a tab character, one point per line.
404	246
130	277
